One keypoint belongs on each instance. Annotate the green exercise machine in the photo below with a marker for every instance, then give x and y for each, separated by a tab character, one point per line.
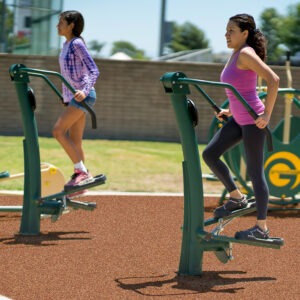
35	204
196	240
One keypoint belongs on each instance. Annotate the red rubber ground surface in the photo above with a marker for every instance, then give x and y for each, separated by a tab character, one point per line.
129	248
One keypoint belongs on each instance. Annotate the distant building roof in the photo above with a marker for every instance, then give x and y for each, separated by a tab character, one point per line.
120	56
200	55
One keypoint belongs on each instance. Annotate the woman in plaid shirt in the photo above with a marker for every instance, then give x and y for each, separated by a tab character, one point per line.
78	67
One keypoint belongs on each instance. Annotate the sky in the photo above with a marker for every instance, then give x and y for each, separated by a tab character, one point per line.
138	21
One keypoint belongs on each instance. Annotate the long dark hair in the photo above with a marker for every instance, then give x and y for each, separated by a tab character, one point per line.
256	38
73	16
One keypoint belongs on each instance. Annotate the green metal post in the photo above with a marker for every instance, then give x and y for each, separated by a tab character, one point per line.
30	222
191	249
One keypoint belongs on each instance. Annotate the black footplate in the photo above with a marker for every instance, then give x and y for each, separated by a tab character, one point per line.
271	241
97	180
251	207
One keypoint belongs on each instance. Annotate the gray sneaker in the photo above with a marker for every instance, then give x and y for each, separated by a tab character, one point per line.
230	206
252	234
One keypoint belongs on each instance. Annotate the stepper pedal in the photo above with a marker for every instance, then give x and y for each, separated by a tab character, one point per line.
97	180
270	241
251	206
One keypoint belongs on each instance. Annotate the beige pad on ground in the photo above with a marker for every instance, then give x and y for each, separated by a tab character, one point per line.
52	180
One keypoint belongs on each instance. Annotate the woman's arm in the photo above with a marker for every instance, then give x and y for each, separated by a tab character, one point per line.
90	66
249	60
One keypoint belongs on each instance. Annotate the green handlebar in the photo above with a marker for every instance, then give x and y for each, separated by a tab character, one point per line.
43	73
197	82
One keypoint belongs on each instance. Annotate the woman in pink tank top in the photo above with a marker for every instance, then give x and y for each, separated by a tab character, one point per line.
241	71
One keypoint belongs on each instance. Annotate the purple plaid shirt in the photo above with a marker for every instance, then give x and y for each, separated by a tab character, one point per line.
78	67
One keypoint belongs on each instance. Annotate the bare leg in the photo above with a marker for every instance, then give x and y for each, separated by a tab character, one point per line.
76	134
72	120
262	224
236	194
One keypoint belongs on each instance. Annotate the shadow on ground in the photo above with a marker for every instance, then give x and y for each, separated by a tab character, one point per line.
214	282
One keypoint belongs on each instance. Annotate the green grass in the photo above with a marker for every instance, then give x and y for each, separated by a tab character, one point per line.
129	166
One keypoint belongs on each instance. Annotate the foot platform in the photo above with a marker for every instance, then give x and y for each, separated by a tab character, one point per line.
251	207
58	203
222	245
224	254
272	242
97	180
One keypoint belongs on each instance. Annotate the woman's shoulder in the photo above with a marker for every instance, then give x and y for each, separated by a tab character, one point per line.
247	51
247	58
77	42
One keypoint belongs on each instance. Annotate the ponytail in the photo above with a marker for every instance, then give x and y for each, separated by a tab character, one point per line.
257	41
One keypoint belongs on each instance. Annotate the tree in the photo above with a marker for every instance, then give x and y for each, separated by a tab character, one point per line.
96	46
271	23
129	49
290	29
6	27
187	37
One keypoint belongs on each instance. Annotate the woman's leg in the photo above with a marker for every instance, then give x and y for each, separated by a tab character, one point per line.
254	139
76	134
226	137
72	119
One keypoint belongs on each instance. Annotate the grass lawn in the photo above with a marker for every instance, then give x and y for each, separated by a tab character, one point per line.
129	166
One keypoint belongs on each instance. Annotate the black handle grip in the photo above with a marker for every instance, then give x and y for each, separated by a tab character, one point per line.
224	117
217	109
91	112
88	108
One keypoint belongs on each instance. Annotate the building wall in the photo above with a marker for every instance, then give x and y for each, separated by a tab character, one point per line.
131	104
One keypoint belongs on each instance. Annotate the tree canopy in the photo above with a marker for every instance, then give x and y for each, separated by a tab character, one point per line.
95	46
271	22
6	28
282	32
187	37
290	29
129	49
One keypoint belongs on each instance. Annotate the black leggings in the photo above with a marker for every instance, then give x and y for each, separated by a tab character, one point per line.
253	138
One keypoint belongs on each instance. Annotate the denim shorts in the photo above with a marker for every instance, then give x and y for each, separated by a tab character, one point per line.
89	100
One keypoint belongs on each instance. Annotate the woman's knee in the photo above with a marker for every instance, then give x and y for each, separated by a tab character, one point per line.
207	156
57	133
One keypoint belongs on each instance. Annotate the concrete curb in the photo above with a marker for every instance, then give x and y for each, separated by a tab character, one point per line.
210	200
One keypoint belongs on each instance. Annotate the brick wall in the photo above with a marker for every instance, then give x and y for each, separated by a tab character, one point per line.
131	100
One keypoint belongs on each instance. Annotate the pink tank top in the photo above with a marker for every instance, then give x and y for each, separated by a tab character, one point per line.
244	82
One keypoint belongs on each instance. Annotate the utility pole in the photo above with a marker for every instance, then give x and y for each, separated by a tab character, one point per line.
162	27
2	29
